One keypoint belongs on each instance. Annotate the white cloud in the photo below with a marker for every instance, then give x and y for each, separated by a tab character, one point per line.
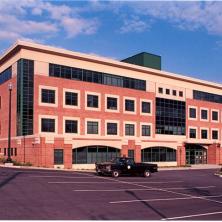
134	24
185	15
48	19
75	26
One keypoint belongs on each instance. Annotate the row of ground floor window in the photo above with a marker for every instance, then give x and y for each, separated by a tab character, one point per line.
91	154
195	154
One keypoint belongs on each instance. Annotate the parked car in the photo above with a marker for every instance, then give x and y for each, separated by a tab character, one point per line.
125	166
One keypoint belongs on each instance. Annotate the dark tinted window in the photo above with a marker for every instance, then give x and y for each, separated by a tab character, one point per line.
174	92
180	93
95	77
111	128
6	75
145	130
111	103
48	96
58	156
214	134
129	129
129	105
204	114
71	126
92	101
160	90
192	113
215	115
167	91
210	97
92	127
48	125
146	107
158	154
170	117
71	98
193	133
204	134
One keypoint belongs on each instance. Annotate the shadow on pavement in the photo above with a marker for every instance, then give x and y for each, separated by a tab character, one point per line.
7	180
146	204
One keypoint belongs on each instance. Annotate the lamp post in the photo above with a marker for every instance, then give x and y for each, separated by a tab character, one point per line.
9	159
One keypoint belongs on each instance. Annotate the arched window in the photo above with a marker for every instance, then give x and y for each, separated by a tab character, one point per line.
92	154
158	154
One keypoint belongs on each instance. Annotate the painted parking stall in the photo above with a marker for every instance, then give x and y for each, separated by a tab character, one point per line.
169	195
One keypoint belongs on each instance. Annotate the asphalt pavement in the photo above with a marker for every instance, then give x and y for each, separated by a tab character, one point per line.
28	194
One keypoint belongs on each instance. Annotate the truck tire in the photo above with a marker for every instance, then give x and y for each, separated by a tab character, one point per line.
147	173
115	173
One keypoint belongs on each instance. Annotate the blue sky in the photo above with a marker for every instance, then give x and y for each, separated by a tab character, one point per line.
188	35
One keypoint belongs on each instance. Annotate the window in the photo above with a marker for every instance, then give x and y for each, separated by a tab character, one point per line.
111	128
5	151
129	105
180	93
215	115
192	113
204	114
131	154
25	97
12	153
48	125
6	75
92	101
170	117
158	154
210	97
146	107
160	90
129	129
0	102
193	133
112	103
48	96
73	73
215	134
58	156
204	134
145	130
174	92
15	151
92	154
71	126
71	99
167	91
92	127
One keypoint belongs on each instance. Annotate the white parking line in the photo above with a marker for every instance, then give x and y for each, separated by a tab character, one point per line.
194	215
163	199
111	182
123	190
61	177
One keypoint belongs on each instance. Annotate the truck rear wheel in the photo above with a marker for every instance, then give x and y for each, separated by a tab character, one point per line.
147	173
115	173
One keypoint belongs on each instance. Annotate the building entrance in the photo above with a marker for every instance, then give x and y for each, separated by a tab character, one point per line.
196	154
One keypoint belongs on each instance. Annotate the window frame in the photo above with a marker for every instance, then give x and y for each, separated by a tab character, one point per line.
74	119
202	128
151	107
48	117
135	105
86	127
192	107
40	103
218	133
106	131
64	98
141	129
86	101
218	115
195	128
135	128
204	109
118	104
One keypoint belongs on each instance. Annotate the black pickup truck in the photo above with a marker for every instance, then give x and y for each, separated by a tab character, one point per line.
127	166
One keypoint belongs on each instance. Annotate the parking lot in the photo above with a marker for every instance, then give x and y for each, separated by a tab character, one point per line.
167	195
